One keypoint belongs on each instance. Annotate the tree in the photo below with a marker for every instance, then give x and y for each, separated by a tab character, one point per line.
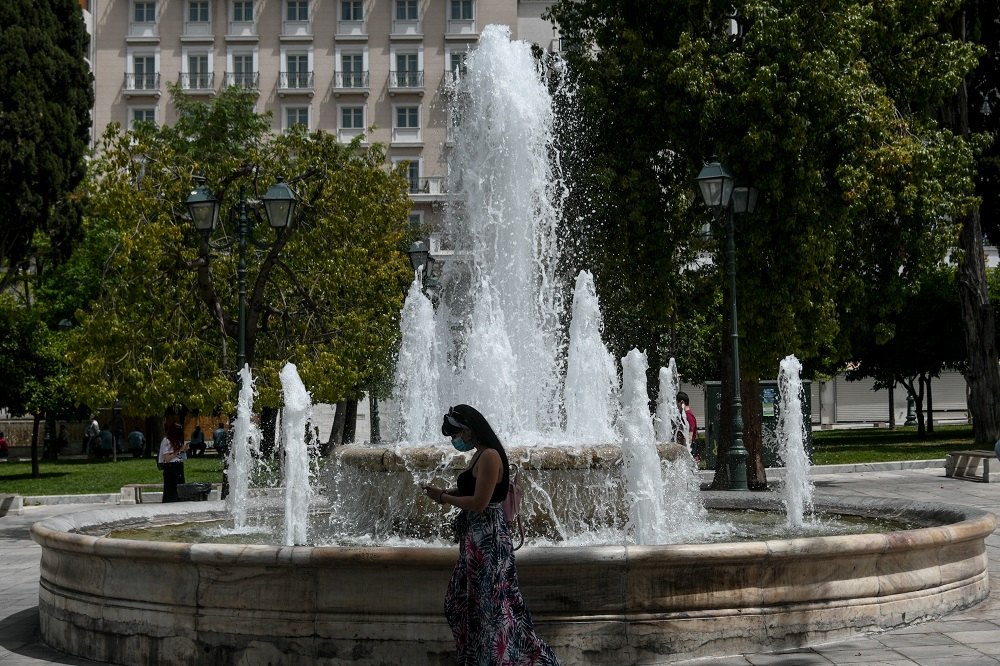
325	295
45	100
926	339
825	107
974	109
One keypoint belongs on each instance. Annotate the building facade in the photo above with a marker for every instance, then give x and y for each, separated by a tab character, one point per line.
348	67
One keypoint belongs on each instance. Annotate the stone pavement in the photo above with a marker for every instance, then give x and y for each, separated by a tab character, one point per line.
968	638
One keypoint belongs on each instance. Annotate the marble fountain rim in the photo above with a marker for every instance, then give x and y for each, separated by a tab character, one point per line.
935	524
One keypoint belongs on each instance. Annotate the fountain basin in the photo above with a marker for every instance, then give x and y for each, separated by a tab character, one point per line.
127	602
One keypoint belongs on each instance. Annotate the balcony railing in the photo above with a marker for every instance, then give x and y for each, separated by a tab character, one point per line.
351	80
295	81
406	27
242	29
201	81
352	28
197	28
407	79
461	27
434	185
142	82
296	29
143	29
243	79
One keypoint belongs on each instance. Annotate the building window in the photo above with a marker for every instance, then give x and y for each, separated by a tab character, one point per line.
243	11
297	10
145	12
298	70
413	175
296	115
352	117
198	75
144	68
406	10
143	116
456	64
198	11
407	117
461	10
243	72
353	67
407	74
352	10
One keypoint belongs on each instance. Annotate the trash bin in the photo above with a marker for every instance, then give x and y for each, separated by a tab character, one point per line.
768	404
193	492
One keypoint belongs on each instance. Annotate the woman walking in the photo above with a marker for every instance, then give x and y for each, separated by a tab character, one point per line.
483	605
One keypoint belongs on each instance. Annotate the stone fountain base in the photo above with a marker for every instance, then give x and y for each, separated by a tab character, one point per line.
135	602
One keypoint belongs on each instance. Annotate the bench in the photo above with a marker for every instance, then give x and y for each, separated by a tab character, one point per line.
132	492
963	465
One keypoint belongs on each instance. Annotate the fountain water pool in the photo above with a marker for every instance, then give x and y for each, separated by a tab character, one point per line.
126	601
133	602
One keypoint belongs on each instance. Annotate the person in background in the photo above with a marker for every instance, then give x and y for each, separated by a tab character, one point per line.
197	444
136	443
684	405
91	435
62	440
220	440
173	450
107	442
4	449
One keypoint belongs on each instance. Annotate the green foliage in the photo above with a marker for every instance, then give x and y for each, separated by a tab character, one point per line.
926	336
45	103
324	295
824	107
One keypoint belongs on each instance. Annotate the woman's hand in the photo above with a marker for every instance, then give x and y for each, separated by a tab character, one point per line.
434	493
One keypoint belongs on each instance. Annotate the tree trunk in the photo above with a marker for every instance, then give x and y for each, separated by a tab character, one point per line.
35	474
337	430
892	407
753	434
376	423
268	429
350	421
930	407
982	370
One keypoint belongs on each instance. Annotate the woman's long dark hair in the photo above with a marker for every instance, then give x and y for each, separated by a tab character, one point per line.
175	433
481	428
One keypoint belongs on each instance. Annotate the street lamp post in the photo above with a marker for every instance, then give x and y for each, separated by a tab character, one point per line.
422	262
720	190
279	207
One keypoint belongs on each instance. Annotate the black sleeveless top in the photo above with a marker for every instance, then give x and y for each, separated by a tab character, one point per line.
467	484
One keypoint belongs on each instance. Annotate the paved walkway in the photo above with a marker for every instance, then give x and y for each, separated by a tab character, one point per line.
969	638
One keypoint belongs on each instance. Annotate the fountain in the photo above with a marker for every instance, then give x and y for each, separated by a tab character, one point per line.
623	586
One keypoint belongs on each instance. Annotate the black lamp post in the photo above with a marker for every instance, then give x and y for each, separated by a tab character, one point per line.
279	207
422	262
720	190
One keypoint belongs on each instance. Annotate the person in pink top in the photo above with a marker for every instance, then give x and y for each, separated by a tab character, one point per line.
684	405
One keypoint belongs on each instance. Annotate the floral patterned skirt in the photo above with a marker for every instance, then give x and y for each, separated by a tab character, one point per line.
484	607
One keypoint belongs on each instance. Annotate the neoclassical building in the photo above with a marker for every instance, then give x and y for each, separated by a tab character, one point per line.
339	65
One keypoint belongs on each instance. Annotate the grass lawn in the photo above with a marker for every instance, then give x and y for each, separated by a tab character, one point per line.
83	477
832	447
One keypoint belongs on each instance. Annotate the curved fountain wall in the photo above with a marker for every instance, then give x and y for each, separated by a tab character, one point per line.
129	602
